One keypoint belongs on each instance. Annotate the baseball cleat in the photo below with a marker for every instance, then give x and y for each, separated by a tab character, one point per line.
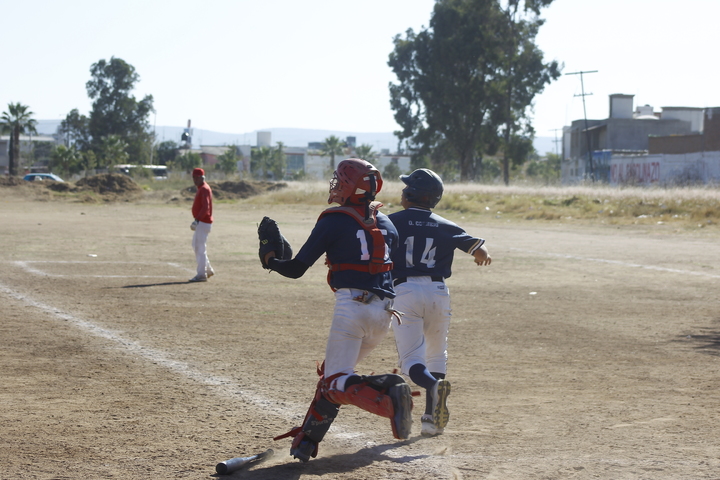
198	278
440	412
401	422
428	427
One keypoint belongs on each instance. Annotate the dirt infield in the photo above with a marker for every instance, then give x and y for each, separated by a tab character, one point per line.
581	352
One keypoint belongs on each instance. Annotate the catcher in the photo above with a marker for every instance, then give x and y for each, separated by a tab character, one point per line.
356	239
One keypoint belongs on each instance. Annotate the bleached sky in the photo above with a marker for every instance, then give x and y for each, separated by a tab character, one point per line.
236	66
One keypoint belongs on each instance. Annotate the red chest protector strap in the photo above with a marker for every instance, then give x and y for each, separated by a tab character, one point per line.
377	257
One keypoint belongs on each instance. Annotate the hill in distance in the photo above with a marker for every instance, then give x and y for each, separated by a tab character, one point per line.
290	137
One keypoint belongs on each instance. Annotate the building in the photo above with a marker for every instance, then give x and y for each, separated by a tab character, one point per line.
313	164
27	148
589	145
678	145
675	159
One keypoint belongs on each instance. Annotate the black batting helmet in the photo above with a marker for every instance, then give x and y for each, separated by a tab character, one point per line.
424	187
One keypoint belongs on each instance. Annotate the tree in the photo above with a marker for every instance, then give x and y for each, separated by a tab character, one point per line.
42	152
365	152
112	151
75	130
331	147
167	151
186	161
227	162
523	75
116	112
278	163
67	160
392	170
89	161
16	120
548	171
453	81
261	161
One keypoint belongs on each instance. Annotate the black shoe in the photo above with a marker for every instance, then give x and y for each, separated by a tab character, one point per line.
401	397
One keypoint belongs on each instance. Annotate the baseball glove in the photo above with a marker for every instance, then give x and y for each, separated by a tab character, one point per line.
271	240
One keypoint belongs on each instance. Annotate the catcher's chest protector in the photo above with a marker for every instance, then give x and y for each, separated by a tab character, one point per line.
377	257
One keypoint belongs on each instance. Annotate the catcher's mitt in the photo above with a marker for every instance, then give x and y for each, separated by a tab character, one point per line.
271	240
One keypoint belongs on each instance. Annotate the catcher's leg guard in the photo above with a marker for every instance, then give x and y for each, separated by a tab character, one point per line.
385	395
317	422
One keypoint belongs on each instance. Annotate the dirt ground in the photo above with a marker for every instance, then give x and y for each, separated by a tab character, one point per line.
581	352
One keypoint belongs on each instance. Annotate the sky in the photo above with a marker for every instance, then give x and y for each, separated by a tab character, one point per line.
238	66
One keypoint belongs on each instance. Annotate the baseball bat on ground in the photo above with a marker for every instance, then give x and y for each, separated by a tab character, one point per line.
234	464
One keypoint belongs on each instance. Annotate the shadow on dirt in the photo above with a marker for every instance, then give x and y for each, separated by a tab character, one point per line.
707	341
156	284
329	465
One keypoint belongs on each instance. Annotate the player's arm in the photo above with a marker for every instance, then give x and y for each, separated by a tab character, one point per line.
287	268
482	256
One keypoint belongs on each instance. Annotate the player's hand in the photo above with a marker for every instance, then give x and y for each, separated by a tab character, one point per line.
193	225
482	256
269	256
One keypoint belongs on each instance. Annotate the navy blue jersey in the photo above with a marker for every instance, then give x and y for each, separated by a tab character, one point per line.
346	241
427	243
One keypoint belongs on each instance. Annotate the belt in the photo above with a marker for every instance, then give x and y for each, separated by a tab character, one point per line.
400	280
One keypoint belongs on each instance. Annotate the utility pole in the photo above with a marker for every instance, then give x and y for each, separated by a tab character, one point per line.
556	141
587	131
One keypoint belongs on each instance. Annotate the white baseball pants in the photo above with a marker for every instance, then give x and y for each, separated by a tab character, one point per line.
422	336
357	328
199	244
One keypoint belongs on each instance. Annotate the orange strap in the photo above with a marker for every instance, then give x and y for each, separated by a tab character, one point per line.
377	258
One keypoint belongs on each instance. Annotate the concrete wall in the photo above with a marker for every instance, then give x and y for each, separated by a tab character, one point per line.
711	129
632	134
621	105
676	144
687	114
665	169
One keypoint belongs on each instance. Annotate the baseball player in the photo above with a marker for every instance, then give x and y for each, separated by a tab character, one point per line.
421	265
356	239
201	225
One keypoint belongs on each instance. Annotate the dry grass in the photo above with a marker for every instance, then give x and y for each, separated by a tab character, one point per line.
689	207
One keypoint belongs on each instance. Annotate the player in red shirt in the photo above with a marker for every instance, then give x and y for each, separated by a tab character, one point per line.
202	223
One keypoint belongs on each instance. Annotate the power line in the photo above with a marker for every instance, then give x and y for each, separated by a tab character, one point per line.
587	131
556	141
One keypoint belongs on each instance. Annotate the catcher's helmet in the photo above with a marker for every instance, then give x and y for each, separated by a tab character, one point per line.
354	182
424	187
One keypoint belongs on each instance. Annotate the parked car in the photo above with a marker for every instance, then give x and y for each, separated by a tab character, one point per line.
31	177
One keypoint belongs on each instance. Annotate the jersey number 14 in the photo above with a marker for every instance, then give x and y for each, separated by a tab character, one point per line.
428	256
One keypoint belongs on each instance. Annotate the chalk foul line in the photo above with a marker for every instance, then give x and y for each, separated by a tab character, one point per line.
618	262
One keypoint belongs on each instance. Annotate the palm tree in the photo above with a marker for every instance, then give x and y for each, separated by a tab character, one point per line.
113	151
66	159
365	152
332	146
279	161
261	160
16	120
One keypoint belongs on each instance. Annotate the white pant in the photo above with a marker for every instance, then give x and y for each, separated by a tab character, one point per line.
422	336
199	244
357	328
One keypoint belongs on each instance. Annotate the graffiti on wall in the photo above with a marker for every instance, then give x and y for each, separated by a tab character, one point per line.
635	172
